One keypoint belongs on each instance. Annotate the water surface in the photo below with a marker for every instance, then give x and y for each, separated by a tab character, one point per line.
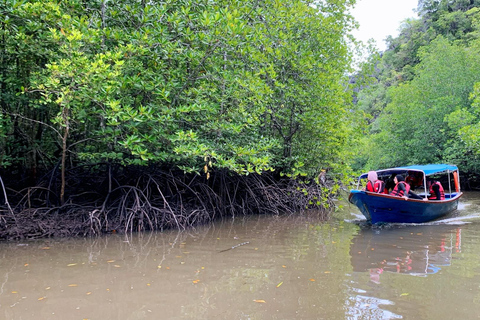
259	267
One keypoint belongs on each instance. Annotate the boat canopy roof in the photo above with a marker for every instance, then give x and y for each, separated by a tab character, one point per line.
428	169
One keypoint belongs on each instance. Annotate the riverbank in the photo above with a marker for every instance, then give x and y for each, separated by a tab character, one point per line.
149	200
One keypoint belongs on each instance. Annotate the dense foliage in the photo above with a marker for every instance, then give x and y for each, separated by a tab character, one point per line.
159	93
241	85
422	103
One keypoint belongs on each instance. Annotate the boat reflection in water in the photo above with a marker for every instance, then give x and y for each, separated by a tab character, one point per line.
414	250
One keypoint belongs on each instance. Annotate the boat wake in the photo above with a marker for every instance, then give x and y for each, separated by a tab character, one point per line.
456	220
363	223
359	217
462	220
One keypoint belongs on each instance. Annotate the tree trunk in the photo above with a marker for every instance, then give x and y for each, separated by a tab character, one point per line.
64	153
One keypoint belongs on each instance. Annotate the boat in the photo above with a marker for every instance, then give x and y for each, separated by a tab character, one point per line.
385	208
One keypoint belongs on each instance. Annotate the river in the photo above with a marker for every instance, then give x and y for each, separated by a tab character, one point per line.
259	267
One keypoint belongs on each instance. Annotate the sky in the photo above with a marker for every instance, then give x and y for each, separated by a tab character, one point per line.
380	18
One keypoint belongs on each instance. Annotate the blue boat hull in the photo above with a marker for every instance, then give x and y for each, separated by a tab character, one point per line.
382	208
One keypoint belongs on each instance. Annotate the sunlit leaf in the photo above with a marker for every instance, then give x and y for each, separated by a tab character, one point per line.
404	294
278	285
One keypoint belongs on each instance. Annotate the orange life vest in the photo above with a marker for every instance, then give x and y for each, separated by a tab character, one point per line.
414	179
399	193
378	186
433	196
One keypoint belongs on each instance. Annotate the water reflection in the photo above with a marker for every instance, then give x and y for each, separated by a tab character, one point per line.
385	255
366	307
287	268
418	250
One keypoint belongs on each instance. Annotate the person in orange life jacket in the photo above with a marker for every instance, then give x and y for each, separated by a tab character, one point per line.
402	188
436	190
414	179
373	184
389	183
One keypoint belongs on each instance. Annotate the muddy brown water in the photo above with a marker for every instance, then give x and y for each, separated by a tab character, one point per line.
260	267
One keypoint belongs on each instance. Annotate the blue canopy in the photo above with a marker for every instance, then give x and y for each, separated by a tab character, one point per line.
428	169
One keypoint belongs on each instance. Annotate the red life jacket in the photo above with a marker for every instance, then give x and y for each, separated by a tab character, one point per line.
399	193
414	179
378	186
433	196
385	191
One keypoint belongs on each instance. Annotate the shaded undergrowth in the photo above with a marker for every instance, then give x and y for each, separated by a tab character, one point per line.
144	199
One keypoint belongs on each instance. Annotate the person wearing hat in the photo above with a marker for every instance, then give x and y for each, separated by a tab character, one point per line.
401	187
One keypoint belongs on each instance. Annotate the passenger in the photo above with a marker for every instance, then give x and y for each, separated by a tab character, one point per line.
374	184
414	179
436	190
385	190
402	188
413	195
390	184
